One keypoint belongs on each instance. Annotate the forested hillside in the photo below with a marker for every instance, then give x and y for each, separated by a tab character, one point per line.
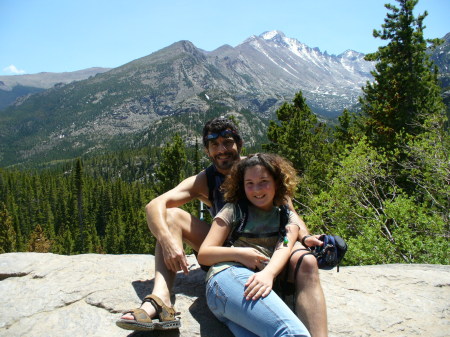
380	178
96	205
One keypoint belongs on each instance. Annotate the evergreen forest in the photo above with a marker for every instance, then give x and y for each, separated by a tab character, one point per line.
379	177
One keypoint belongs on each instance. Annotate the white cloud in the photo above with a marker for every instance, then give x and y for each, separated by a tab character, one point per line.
12	69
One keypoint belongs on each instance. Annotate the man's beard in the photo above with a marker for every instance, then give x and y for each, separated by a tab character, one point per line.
226	165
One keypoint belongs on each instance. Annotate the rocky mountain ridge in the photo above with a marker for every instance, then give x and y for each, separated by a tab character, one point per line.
329	83
176	89
441	57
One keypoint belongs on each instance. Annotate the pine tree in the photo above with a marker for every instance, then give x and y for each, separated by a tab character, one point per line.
105	208
405	90
7	232
196	157
302	139
114	236
170	170
78	182
64	244
137	237
61	206
39	242
347	132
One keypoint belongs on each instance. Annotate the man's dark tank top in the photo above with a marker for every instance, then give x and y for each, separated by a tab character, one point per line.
215	196
214	179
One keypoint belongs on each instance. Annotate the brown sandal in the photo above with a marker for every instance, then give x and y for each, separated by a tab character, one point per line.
142	321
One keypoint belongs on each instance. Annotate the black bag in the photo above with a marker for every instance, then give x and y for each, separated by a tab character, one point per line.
331	253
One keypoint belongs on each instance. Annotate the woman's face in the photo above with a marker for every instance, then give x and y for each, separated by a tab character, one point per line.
259	187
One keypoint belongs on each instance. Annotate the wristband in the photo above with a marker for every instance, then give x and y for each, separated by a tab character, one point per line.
303	240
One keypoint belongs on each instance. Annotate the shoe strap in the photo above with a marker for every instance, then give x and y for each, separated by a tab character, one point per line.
164	312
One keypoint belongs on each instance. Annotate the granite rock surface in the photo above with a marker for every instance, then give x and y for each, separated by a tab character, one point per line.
83	295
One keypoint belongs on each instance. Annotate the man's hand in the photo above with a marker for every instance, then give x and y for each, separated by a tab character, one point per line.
174	256
312	240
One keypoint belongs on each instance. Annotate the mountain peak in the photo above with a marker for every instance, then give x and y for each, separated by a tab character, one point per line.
351	55
271	35
184	45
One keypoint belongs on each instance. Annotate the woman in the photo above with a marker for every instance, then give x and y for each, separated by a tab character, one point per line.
239	283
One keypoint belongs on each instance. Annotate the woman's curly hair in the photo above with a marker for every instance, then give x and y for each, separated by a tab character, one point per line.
280	169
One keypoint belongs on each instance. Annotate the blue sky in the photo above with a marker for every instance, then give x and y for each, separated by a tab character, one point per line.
69	35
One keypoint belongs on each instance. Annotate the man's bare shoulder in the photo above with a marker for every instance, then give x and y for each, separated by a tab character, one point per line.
196	185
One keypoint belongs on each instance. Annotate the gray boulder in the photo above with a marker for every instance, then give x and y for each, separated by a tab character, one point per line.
83	295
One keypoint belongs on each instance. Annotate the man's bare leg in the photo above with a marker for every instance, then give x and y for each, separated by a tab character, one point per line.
164	280
184	227
310	301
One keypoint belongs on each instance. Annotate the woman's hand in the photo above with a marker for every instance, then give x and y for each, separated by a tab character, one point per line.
251	258
258	285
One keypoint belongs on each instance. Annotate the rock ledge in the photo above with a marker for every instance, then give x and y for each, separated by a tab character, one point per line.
82	295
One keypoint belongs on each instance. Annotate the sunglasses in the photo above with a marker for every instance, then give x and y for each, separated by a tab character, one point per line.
224	134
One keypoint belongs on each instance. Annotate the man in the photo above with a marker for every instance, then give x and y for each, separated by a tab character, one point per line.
173	226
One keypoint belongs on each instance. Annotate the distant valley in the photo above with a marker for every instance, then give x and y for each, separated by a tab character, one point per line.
14	87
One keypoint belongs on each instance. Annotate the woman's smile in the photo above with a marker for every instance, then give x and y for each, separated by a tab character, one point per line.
259	187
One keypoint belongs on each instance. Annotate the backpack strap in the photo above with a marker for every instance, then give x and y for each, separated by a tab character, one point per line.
284	287
240	223
238	228
284	219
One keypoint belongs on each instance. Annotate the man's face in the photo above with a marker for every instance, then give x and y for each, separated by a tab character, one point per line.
223	152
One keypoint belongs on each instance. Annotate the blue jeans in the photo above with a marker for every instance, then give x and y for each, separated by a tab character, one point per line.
268	316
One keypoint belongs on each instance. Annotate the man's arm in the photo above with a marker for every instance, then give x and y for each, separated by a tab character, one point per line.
194	187
312	240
